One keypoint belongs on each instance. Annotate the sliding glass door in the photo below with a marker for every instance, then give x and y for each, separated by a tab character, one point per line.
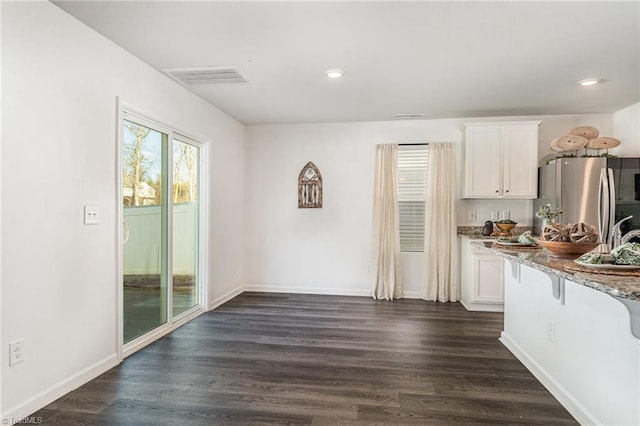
161	231
185	209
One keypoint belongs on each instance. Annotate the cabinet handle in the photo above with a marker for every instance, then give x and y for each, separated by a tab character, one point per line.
507	190
497	191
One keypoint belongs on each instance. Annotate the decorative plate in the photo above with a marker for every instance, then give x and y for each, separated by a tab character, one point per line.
514	243
572	142
606	265
588	132
603	143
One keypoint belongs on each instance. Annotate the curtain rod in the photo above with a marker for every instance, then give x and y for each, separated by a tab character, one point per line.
412	144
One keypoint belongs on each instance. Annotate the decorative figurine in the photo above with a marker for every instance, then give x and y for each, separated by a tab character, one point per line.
487	229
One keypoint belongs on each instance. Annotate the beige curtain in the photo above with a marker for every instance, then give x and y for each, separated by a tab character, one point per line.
387	282
440	226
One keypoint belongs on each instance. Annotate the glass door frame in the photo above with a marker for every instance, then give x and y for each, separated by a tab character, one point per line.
127	112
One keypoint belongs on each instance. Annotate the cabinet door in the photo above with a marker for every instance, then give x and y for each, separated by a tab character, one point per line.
489	283
483	170
520	156
466	271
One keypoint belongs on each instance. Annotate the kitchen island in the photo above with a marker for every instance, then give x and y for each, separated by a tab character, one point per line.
577	332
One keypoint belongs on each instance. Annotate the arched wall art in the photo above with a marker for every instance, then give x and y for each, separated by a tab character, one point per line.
310	187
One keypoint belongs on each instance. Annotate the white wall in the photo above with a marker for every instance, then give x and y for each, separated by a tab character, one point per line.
60	81
329	250
626	128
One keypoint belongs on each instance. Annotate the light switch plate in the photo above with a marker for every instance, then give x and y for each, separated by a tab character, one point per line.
91	215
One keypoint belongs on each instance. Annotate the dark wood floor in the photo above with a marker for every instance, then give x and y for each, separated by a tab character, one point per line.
321	360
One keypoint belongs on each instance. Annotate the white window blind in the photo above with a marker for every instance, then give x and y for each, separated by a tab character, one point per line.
412	188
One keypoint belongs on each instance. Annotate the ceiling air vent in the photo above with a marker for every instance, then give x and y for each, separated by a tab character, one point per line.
207	76
408	116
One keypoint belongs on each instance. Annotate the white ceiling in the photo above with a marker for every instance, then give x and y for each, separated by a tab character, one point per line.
444	59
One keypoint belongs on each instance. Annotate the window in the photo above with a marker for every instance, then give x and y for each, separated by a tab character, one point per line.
412	188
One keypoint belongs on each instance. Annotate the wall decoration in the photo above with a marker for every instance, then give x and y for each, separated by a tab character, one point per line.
310	187
583	137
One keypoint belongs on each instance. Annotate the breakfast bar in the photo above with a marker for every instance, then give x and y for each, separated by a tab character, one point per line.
576	330
625	286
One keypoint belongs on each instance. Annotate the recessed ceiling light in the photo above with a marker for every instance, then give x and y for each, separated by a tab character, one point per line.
334	73
589	81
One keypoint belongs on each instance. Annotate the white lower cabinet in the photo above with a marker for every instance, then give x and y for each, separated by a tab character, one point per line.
577	341
481	278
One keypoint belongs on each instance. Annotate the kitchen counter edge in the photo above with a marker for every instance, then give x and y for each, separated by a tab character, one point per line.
621	286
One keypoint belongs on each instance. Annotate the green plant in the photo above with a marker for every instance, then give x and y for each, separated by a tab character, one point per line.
547	212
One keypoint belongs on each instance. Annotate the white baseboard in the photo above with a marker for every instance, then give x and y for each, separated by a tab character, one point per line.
62	388
573	406
225	297
322	291
482	307
306	290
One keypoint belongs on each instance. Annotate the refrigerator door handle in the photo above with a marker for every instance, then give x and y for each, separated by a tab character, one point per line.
603	208
612	202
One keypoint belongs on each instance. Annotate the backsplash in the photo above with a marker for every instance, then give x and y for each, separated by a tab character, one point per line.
476	231
476	212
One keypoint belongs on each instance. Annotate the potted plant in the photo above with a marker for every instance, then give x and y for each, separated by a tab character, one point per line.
547	214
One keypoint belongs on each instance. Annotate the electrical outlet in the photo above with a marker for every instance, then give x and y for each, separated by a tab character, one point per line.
16	352
472	215
551	331
495	215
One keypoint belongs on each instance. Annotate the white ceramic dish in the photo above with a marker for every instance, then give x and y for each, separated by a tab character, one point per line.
606	265
515	243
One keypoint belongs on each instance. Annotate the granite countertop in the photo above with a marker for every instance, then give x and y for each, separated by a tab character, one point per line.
622	286
475	232
477	236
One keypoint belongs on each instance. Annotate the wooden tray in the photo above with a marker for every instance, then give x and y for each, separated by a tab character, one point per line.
572	266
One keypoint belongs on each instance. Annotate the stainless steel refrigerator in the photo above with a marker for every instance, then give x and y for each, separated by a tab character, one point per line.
599	191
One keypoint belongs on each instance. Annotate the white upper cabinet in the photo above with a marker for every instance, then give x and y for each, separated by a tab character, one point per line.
483	162
501	160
